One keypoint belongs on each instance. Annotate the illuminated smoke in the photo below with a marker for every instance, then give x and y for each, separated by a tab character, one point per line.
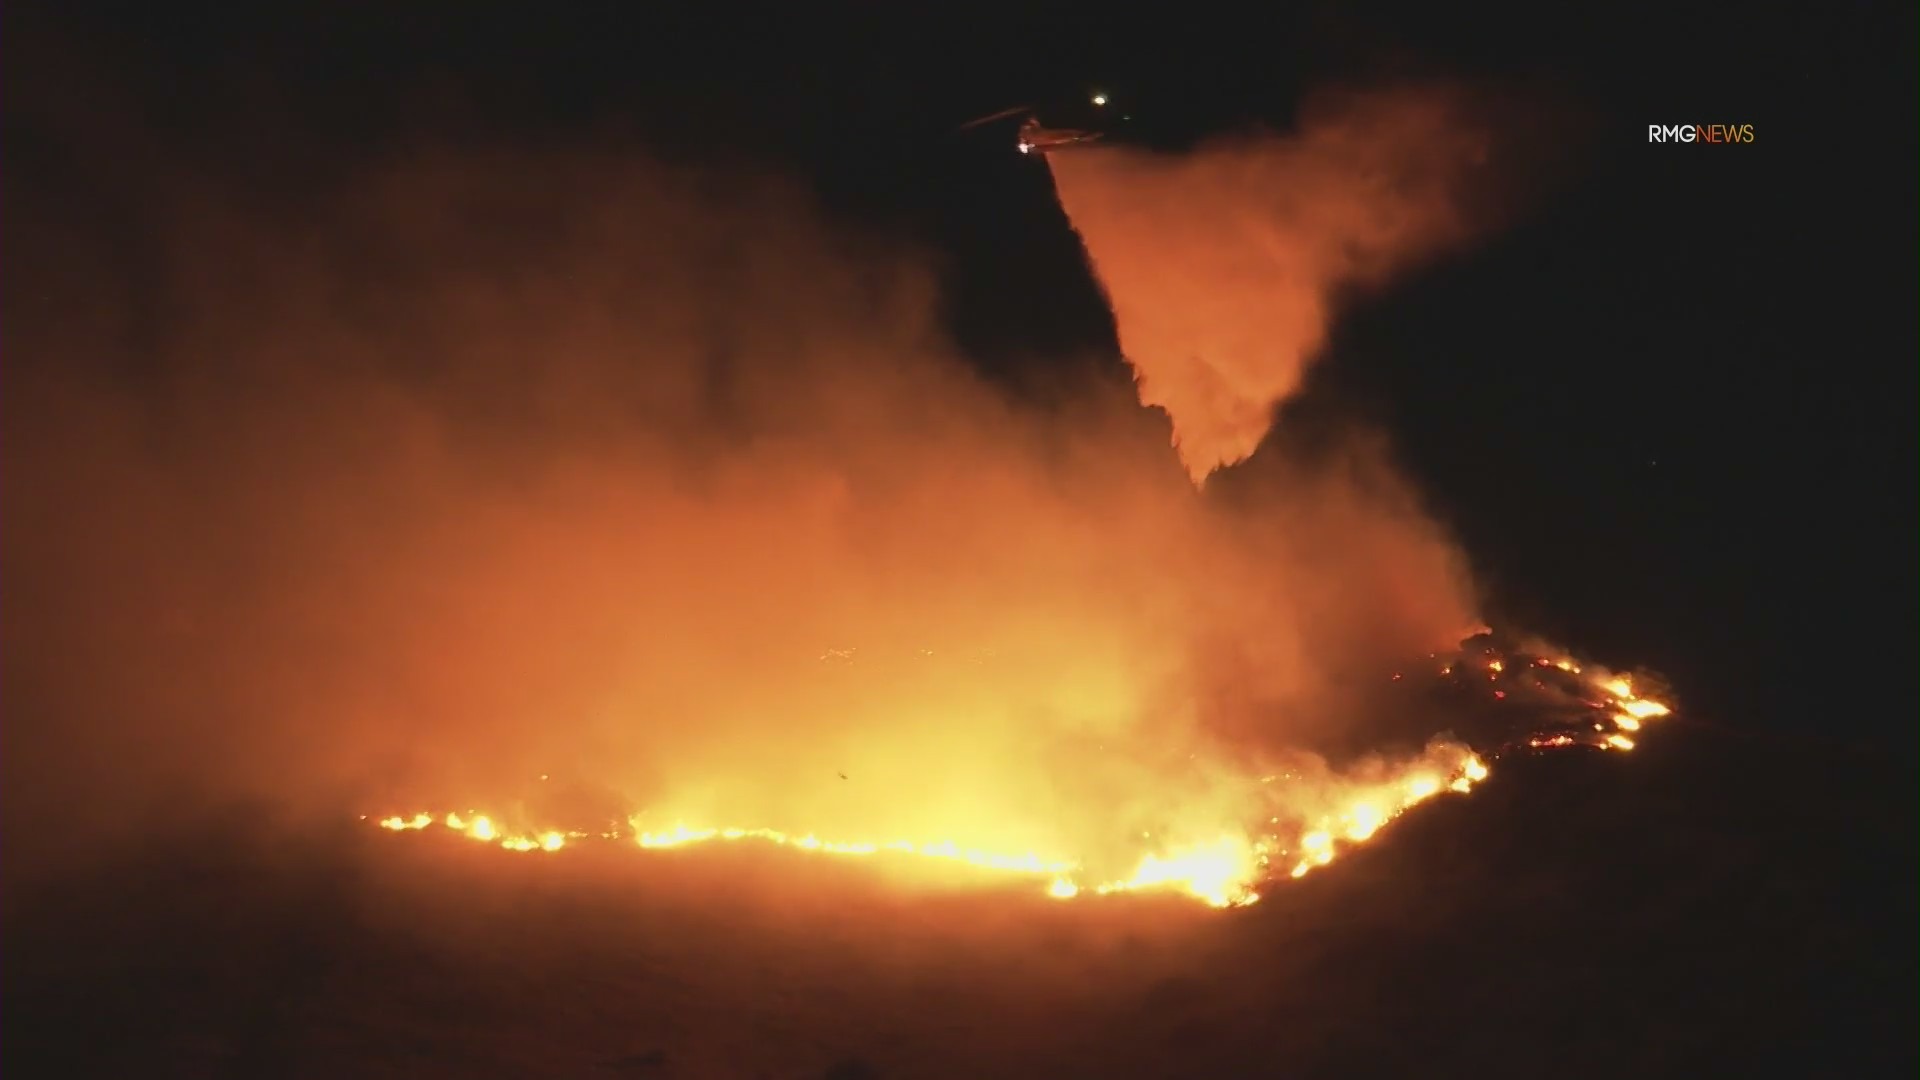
1223	265
479	467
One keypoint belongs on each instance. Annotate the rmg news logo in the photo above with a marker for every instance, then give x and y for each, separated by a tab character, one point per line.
1702	133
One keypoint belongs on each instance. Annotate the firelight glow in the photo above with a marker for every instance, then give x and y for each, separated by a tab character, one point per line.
1228	870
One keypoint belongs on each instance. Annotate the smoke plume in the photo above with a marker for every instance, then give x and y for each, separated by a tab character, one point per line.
474	468
1223	265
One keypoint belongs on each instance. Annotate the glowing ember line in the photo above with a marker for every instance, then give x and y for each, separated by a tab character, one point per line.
1222	872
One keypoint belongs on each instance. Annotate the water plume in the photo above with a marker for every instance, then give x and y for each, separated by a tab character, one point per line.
1224	265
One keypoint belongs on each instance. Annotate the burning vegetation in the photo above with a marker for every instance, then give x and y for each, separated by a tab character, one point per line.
1547	703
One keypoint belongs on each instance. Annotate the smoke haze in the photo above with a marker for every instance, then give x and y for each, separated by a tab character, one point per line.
478	467
1224	265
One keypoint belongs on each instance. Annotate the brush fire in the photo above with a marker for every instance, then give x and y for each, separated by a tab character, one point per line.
1152	675
1561	704
663	484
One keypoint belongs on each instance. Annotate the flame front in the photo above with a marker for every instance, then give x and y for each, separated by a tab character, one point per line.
1224	870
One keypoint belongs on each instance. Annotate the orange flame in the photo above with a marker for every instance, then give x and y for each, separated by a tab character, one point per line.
1226	869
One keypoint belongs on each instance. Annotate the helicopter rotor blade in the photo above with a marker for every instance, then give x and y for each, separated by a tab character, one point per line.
1001	115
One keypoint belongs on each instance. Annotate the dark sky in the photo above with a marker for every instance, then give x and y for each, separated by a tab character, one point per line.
1671	411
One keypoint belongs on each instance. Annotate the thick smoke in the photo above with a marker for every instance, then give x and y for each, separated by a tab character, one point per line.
481	467
1223	265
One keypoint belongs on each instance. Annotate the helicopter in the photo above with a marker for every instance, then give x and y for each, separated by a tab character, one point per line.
1033	136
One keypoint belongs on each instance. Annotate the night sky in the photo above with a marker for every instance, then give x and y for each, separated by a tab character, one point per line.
1669	410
